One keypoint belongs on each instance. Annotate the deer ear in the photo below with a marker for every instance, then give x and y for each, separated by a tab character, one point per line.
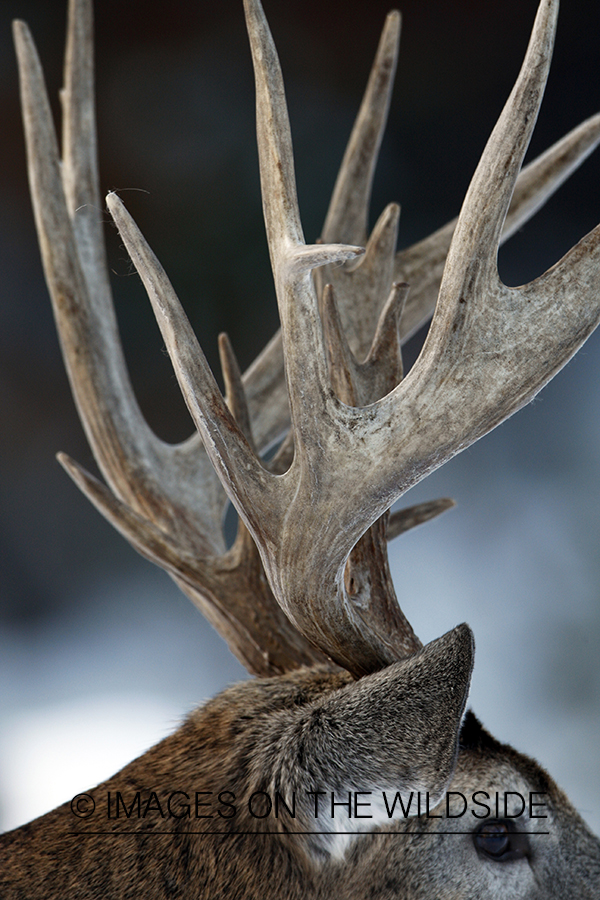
397	728
393	731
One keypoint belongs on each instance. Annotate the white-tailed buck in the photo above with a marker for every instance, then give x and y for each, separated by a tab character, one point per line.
348	767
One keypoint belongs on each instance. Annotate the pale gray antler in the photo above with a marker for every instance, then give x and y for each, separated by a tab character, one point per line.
422	264
167	500
351	463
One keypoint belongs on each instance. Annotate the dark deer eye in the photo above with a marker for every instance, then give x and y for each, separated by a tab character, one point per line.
498	839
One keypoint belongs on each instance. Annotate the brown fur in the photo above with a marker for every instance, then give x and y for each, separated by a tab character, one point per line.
239	742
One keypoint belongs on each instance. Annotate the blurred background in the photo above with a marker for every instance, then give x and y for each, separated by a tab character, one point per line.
100	655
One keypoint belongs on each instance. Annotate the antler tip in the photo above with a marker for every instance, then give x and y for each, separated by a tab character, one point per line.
19	27
77	473
24	43
66	461
113	200
392	26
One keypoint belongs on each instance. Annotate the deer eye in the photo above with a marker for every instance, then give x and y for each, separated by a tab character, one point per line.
499	840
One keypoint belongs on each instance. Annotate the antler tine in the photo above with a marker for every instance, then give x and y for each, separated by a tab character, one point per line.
403	520
360	383
488	197
148	540
364	287
422	264
248	483
362	290
80	155
292	260
142	470
235	395
348	213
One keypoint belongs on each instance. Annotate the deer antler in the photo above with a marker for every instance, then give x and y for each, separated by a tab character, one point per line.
166	499
472	372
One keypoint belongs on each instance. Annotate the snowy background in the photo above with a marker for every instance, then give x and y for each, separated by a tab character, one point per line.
100	655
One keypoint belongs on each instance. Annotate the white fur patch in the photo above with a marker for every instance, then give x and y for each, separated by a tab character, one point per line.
338	817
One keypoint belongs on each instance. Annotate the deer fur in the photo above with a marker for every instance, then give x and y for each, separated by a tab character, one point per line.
298	730
348	705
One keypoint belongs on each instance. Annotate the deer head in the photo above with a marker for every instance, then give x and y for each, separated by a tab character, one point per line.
343	768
